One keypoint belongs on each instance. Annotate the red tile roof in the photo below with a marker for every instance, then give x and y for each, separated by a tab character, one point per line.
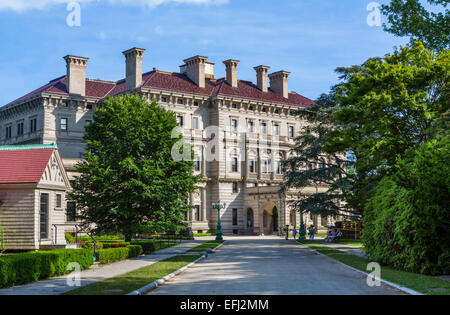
23	166
175	82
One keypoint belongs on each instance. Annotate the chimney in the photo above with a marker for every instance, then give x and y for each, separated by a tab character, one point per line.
261	77
133	61
76	74
195	69
279	83
232	70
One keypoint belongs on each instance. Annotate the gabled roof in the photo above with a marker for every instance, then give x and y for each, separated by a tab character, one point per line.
24	164
173	82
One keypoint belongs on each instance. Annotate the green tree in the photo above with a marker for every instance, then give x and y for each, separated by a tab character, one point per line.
387	105
311	166
411	18
129	181
407	220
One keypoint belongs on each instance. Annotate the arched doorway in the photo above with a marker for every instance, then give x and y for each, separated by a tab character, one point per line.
270	218
250	220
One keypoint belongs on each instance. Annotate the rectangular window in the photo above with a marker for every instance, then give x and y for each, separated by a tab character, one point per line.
196	104
291	132
180	101
71	212
276	130
197	164
234	165
263	128
235	188
164	99
265	168
251	166
277	168
180	121
235	216
197	213
233	125
195	123
8	133
233	105
58	200
33	125
63	124
250	127
20	128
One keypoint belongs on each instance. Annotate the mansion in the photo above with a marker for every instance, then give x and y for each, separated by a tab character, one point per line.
254	122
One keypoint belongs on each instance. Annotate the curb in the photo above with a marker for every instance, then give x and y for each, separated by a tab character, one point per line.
157	283
404	289
161	281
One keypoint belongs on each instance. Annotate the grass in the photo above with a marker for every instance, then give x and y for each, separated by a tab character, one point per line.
204	234
205	246
420	283
354	243
136	279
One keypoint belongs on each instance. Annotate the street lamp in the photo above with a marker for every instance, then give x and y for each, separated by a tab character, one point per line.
302	231
219	206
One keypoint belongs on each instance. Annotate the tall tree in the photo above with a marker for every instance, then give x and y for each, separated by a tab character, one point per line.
310	165
129	181
411	18
387	105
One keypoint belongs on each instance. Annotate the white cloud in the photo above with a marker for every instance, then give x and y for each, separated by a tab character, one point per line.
23	5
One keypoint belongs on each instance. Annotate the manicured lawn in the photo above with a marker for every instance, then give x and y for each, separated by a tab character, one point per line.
205	246
135	279
354	243
204	234
420	283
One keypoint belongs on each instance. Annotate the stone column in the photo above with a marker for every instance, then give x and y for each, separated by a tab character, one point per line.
203	196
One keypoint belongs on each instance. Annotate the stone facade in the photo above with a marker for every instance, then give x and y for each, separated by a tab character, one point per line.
251	126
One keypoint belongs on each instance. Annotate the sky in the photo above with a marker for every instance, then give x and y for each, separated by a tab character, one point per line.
308	38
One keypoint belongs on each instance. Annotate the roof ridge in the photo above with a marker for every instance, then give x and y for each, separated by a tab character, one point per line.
53	145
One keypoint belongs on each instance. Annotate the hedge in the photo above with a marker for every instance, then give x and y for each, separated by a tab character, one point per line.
24	268
147	246
114	244
406	223
109	255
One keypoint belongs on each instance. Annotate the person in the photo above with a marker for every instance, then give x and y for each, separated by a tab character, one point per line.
287	232
311	231
331	236
294	232
339	235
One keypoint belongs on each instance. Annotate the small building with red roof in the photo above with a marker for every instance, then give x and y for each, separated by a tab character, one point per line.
33	187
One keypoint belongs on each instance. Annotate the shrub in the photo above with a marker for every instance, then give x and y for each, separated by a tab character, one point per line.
28	267
69	238
406	222
147	246
90	245
115	244
109	255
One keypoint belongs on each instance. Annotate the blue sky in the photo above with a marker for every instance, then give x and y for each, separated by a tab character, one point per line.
308	38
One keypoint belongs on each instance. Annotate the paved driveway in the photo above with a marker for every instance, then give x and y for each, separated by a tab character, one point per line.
268	265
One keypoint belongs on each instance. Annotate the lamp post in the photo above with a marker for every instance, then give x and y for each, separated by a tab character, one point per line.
219	233
302	231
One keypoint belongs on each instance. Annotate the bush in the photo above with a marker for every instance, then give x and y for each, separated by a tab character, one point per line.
109	255
90	245
147	246
70	239
406	222
28	267
115	244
